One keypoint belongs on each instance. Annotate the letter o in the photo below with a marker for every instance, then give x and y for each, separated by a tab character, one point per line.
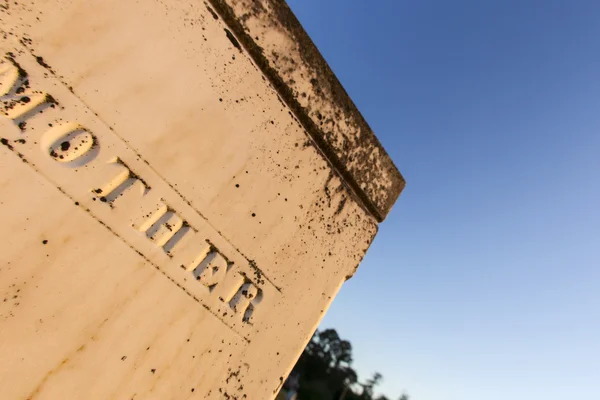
69	143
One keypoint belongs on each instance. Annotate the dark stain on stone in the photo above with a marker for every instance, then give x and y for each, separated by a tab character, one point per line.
50	99
22	73
341	206
40	60
6	143
279	385
212	12
233	40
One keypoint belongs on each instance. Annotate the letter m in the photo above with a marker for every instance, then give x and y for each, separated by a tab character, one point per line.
17	101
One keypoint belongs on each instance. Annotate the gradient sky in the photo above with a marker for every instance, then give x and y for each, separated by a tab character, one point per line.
484	281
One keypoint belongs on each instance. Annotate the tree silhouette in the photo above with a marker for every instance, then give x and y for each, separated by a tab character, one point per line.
326	373
369	385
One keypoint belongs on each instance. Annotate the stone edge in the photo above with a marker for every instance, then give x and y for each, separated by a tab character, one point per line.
358	176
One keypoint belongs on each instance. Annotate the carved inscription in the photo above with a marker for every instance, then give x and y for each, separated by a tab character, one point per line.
127	195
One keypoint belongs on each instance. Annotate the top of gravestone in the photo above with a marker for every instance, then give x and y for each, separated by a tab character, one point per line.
284	52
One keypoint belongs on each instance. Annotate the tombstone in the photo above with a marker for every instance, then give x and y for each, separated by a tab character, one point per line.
184	187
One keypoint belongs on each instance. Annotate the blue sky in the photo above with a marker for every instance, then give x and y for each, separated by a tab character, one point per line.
484	281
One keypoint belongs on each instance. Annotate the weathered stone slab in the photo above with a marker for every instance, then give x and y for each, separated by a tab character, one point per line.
172	227
285	53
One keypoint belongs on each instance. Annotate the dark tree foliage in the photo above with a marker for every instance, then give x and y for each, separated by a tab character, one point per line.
326	373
